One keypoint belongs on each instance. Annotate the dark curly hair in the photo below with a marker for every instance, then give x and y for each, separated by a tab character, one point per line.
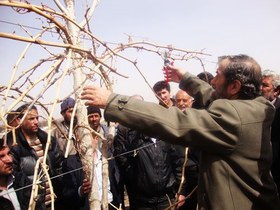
161	85
246	70
21	110
205	76
2	144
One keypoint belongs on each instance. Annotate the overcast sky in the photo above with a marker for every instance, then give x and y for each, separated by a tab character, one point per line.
218	26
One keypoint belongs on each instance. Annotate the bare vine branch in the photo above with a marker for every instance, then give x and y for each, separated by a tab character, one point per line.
85	62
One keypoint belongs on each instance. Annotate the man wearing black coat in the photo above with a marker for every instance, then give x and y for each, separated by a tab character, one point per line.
152	172
31	144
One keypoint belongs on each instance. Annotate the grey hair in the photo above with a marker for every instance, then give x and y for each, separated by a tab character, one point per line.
274	75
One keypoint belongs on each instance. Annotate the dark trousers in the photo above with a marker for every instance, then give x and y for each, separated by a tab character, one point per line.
157	206
191	182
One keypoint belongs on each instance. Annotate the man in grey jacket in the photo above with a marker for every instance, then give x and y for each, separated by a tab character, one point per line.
232	133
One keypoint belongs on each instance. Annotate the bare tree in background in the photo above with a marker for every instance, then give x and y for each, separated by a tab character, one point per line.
70	48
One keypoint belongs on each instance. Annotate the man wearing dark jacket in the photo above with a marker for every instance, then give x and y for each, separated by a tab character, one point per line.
31	146
152	173
151	169
74	196
8	197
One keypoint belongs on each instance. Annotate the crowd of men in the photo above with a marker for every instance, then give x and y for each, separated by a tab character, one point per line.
228	123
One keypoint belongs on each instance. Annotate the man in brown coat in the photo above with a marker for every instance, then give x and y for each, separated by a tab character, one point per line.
232	133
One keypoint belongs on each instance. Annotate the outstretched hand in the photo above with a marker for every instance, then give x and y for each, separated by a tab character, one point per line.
95	96
174	74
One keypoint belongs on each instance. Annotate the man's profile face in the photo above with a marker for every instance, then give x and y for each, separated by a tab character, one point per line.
218	82
31	124
164	95
6	161
267	88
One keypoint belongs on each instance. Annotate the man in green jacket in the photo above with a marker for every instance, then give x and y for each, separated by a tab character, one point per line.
232	133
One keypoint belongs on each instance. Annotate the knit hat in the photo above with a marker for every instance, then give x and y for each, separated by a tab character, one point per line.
66	104
93	109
